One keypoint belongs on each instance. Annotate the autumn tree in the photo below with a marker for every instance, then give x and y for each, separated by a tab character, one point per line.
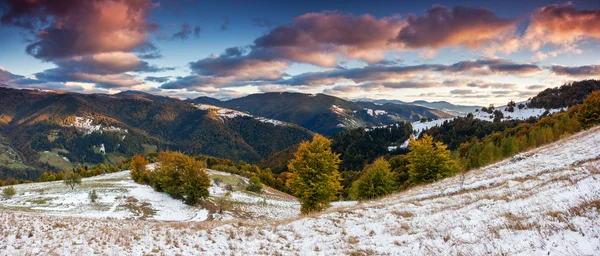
376	180
315	178
180	176
71	179
429	161
589	113
138	169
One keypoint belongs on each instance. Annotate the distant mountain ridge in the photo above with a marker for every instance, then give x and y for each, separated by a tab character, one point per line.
439	105
323	113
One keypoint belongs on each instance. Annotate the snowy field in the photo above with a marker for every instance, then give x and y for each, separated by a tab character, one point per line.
543	202
121	198
517	114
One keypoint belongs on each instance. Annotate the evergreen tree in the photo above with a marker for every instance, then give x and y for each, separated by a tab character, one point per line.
429	161
376	180
315	178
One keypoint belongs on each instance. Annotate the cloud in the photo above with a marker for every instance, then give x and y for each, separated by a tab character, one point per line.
158	79
184	33
484	67
318	38
536	87
562	25
459	26
89	41
323	38
358	75
461	91
262	22
107	70
197	31
580	71
225	25
254	66
7	76
494	67
75	28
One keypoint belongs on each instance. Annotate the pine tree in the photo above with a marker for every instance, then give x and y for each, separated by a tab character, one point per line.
376	180
315	178
429	161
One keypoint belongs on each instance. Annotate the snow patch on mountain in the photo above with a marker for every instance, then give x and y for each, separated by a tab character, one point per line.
87	124
230	113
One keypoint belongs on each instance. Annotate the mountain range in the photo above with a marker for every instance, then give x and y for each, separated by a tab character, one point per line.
439	105
323	113
58	130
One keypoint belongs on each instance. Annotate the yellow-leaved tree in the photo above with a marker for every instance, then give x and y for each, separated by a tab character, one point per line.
589	113
429	161
315	178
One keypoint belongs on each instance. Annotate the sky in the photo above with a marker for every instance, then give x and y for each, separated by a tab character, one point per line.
464	52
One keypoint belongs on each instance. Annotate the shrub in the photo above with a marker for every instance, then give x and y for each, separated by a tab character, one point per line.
8	192
180	176
376	180
93	196
254	185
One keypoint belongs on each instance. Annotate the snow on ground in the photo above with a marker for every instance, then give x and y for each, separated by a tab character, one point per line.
517	114
543	202
87	124
419	127
119	197
230	113
375	112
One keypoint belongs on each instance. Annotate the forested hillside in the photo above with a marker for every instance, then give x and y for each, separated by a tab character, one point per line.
564	96
60	130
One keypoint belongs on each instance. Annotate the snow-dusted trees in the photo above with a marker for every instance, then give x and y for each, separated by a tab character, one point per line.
589	113
315	178
429	161
375	180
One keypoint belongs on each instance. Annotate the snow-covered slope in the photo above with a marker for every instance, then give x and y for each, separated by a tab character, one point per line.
517	114
121	198
230	113
543	202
